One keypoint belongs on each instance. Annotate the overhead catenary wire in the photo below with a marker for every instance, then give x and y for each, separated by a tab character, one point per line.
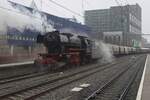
56	10
78	14
20	13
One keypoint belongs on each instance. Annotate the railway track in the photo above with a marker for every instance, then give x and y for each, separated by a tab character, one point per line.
118	86
26	76
22	77
36	90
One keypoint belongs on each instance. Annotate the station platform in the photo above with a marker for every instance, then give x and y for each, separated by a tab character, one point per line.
144	88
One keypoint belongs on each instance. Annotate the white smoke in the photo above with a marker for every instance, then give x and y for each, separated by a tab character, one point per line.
104	52
19	17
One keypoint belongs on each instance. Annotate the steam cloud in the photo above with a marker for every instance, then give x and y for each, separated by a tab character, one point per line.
19	17
104	52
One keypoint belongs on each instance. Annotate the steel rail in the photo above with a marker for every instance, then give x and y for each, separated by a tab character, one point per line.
89	71
94	94
124	93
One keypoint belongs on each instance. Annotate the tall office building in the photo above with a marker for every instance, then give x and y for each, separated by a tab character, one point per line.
118	24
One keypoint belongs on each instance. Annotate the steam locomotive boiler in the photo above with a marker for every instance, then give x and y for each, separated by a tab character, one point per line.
64	48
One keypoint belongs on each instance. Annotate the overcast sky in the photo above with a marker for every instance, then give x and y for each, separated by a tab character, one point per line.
76	6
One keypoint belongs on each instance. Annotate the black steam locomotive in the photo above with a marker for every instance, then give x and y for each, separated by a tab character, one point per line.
65	48
73	49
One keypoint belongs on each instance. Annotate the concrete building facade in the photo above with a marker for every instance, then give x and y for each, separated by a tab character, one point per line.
126	20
